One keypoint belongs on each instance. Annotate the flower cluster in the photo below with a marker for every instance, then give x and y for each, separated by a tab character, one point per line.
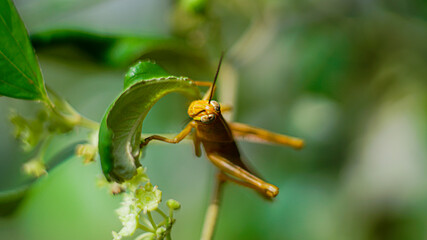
140	200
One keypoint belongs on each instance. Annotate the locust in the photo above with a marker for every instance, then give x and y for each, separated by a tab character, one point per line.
218	139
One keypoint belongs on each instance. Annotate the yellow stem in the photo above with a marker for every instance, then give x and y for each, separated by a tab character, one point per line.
212	212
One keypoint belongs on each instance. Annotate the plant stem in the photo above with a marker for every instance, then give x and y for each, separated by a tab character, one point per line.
151	220
212	212
162	213
87	123
63	109
146	221
145	228
43	147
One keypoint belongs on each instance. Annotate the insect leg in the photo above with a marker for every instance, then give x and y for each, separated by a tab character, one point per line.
224	177
178	138
197	148
248	180
226	108
202	83
254	134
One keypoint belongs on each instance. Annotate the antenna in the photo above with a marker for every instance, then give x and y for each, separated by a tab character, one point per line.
216	77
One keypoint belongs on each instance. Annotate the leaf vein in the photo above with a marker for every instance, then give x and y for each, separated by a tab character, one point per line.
20	88
11	63
21	50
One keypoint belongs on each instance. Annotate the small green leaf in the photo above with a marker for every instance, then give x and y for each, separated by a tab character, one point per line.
120	131
20	73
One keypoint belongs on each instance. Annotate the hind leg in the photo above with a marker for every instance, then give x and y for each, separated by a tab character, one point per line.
254	134
244	178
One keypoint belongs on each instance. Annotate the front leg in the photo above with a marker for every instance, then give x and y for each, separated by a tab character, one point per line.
178	138
197	149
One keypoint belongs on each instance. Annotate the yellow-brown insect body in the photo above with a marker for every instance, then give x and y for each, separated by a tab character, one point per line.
215	135
217	138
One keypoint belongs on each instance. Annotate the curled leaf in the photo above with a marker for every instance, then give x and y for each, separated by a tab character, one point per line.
120	131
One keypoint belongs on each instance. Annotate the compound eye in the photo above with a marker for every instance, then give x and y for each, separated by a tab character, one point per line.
207	118
215	104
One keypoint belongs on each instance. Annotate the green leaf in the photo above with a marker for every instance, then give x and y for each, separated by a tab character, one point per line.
116	50
120	131
194	6
10	200
64	149
20	73
109	49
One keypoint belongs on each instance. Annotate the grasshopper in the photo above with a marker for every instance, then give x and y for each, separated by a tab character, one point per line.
218	139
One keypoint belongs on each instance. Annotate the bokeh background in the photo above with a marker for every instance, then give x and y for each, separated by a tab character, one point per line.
349	77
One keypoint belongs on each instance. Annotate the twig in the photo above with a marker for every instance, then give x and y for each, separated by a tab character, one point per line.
212	212
63	109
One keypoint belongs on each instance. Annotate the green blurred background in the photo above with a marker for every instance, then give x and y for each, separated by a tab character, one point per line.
349	77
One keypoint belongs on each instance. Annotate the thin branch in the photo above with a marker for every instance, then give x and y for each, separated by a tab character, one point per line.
151	220
145	228
63	109
162	213
213	209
